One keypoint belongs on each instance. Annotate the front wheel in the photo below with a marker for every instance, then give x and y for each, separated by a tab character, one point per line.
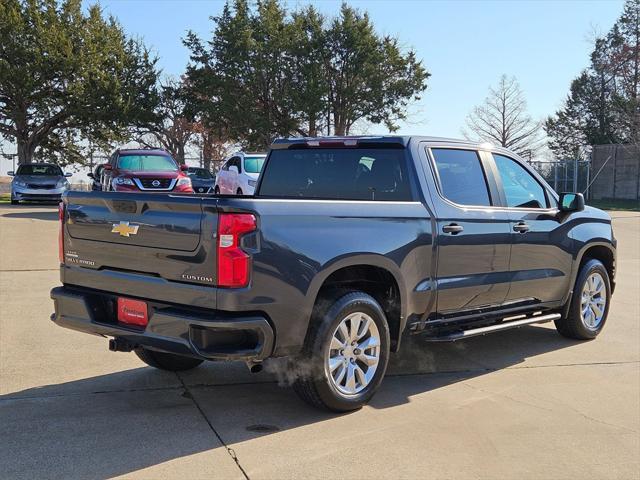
14	201
589	303
345	354
166	361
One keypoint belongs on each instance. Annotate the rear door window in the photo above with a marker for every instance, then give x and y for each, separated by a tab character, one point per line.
340	174
461	176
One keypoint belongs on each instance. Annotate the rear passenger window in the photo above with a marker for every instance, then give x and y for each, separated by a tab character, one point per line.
337	174
462	179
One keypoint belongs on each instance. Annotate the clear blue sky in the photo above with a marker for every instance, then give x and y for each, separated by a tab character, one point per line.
465	45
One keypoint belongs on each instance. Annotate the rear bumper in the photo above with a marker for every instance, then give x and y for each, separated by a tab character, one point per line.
197	334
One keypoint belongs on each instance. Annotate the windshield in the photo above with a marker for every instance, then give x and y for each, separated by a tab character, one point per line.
52	170
253	164
201	173
156	163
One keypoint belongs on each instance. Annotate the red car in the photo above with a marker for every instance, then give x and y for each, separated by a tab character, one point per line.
144	170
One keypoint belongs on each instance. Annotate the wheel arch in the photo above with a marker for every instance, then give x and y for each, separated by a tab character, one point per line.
602	251
373	274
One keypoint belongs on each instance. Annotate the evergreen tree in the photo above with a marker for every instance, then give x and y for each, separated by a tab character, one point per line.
66	76
603	105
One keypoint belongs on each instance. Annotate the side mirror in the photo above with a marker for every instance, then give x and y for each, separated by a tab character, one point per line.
68	174
11	173
107	166
184	168
234	169
91	175
571	202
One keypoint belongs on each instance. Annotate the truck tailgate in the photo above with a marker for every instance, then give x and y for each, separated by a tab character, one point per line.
163	237
155	222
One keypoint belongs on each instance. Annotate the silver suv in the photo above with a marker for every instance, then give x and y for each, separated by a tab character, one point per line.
39	182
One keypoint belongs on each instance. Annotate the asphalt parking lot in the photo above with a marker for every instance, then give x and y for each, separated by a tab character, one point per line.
520	404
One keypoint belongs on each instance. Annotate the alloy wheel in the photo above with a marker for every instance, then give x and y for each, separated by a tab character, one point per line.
593	301
354	354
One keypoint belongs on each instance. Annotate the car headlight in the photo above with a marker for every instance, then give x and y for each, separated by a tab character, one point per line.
19	183
62	183
252	183
123	181
184	181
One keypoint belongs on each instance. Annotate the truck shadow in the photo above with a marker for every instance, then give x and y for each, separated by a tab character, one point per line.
120	423
29	213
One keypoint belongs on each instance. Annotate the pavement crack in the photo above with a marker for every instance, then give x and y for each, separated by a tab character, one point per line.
584	364
508	397
601	422
8	397
230	450
540	407
30	270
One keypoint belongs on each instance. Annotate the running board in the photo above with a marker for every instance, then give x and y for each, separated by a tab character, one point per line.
474	332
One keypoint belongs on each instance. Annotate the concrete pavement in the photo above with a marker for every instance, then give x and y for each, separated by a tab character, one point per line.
519	404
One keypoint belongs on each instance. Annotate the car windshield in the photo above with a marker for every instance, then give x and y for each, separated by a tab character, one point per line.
201	173
253	164
53	170
156	163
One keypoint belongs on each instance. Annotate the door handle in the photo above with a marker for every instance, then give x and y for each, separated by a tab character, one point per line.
521	227
453	228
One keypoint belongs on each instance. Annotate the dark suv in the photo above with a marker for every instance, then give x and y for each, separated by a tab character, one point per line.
145	170
347	245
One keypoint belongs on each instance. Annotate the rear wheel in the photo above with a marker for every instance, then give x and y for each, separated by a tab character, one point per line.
345	354
589	304
14	201
166	361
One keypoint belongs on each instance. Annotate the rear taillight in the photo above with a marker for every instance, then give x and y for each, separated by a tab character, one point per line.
233	263
61	233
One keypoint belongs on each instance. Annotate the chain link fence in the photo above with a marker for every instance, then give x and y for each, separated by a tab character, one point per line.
565	175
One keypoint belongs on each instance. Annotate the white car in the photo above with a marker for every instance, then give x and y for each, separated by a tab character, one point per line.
239	174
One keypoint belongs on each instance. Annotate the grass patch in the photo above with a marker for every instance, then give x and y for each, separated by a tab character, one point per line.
609	204
5	197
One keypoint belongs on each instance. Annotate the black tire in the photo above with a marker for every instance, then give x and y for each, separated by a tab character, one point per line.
14	202
239	191
573	326
216	190
166	361
312	383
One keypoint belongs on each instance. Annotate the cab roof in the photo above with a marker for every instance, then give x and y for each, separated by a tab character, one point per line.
143	151
398	141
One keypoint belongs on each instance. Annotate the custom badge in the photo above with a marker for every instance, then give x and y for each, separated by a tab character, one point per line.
124	229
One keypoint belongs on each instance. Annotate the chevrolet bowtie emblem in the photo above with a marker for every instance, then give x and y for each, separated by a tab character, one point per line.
124	229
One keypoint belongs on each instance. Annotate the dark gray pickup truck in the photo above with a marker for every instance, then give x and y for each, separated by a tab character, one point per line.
348	244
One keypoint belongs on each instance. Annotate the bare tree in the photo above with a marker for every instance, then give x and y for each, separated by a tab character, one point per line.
503	119
212	146
171	128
